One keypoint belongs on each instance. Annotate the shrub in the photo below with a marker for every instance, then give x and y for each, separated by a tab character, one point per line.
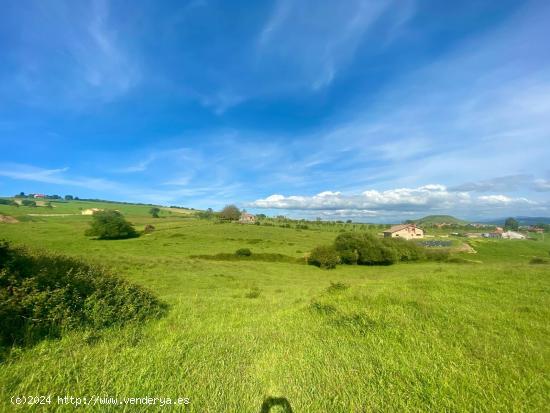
43	295
148	229
243	252
324	256
8	202
28	202
364	249
230	213
336	287
405	250
110	224
154	212
539	260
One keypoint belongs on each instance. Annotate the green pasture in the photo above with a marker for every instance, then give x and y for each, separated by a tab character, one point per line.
409	337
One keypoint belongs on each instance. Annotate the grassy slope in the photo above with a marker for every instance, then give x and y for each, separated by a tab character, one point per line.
440	219
406	337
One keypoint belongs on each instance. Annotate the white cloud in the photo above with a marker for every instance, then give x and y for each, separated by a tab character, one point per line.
54	176
427	199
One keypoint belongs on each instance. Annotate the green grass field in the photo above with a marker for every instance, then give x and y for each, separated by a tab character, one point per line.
408	337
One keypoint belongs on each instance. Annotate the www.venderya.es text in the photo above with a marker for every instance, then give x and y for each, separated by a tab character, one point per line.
94	400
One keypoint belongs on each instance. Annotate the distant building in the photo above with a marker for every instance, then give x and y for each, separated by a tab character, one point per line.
495	234
90	211
406	231
39	196
512	235
247	218
537	230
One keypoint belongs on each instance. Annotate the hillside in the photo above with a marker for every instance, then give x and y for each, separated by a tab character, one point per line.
439	219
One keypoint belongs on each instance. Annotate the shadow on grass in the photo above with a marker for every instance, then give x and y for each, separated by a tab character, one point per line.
276	401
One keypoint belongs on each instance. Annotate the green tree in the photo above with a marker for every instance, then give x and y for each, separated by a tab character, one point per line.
68	198
230	213
154	212
28	202
511	224
110	224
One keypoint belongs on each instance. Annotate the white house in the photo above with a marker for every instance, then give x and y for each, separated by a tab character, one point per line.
512	235
406	231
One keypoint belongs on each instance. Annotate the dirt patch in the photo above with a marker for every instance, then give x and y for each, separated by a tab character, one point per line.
6	219
466	248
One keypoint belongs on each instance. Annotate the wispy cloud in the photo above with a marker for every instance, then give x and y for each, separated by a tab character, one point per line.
69	55
54	176
316	39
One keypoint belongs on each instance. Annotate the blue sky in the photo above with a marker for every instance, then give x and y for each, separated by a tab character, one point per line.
371	110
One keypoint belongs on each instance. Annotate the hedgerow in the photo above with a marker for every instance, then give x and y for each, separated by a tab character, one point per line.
43	295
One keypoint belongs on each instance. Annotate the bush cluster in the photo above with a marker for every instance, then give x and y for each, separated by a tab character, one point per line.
324	256
110	224
8	202
243	252
367	249
44	295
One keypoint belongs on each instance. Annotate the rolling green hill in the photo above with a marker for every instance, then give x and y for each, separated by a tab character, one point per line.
439	219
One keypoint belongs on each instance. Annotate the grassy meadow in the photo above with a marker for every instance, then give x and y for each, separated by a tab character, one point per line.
424	336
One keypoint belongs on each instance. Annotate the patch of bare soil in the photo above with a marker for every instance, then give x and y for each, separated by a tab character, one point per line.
466	248
6	219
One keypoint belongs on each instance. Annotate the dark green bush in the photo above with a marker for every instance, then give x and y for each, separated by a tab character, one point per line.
8	202
43	295
539	260
405	250
364	249
324	256
110	224
28	202
243	252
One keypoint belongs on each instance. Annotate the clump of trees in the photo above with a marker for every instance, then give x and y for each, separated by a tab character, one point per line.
154	212
359	248
511	224
230	213
28	202
110	224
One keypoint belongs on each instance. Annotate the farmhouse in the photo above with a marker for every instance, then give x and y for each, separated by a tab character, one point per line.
90	211
406	231
39	196
247	218
512	235
536	230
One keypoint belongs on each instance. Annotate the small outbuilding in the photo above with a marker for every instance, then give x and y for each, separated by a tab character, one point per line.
247	218
90	211
406	231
